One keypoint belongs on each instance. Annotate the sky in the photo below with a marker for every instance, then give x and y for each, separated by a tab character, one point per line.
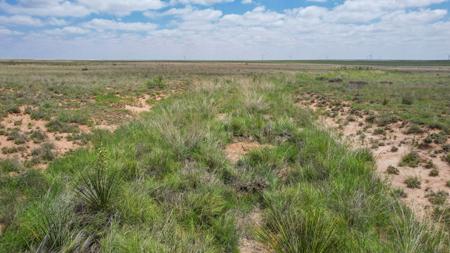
224	29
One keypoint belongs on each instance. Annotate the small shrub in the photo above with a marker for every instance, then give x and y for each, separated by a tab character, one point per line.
394	149
448	183
412	159
413	182
392	170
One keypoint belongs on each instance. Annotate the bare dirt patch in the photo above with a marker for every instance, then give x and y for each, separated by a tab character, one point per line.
140	106
236	150
252	221
390	143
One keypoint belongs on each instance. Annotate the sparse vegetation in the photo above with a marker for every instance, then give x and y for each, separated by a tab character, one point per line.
163	183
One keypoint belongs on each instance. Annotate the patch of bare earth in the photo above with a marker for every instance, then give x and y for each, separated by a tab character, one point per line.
236	150
249	222
247	244
389	144
23	124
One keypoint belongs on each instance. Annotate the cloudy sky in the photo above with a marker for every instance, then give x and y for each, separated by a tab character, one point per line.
224	29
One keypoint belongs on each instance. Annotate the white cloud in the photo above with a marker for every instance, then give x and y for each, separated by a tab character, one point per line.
20	20
353	29
106	24
121	7
78	8
56	8
246	1
199	2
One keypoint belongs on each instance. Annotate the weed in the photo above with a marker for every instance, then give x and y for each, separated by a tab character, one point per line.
407	100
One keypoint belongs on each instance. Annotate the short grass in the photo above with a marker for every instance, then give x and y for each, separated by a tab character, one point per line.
163	184
420	97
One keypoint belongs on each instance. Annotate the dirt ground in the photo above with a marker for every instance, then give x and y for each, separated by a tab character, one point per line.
390	143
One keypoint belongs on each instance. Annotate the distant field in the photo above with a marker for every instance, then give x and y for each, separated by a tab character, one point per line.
217	157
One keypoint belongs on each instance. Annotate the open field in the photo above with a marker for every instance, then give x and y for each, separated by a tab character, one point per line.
224	157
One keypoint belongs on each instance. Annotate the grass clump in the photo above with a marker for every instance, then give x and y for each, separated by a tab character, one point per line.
43	153
392	170
413	182
437	198
59	126
301	231
414	129
411	159
38	136
16	136
156	83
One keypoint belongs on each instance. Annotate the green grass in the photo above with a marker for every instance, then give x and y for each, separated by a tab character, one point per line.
163	184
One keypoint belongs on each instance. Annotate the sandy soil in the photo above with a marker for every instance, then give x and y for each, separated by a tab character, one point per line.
388	148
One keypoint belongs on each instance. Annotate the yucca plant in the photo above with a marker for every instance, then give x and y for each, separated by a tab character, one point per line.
300	231
96	189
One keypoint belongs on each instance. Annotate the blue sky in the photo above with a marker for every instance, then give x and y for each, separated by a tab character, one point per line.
224	29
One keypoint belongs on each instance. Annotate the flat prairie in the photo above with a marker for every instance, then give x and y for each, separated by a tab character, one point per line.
275	156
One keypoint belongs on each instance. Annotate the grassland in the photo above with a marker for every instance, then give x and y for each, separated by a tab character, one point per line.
165	183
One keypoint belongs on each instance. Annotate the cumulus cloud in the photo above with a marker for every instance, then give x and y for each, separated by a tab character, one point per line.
106	24
20	20
198	29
